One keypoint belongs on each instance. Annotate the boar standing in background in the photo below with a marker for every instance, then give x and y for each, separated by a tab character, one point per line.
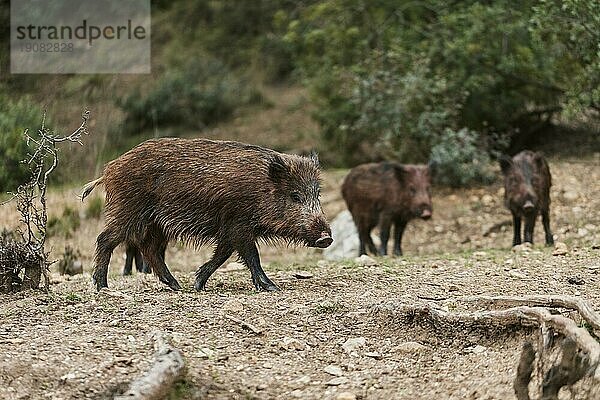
203	191
527	182
383	194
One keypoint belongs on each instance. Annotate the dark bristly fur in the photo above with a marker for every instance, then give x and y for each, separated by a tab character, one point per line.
387	194
201	191
527	182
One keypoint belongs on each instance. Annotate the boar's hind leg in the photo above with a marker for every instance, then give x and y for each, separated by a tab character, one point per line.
222	253
399	227
106	242
517	229
131	252
249	254
152	250
546	222
384	228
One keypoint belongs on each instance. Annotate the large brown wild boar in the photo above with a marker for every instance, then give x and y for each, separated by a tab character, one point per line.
386	194
203	191
527	182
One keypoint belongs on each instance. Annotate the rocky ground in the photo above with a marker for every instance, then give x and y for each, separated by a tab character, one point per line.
324	335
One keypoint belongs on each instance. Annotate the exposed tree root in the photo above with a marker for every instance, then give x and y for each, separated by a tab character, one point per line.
580	352
157	382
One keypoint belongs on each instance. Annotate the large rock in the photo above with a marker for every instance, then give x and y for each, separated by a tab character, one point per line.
345	238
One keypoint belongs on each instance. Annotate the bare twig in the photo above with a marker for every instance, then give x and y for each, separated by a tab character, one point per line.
245	325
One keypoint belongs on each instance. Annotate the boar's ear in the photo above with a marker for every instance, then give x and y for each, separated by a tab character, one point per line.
432	166
538	158
314	157
400	171
278	170
505	163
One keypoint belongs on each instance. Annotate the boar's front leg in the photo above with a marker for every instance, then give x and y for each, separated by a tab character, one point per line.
399	227
529	225
222	252
249	255
517	229
546	222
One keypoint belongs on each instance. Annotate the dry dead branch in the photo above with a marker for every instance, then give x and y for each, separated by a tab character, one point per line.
245	325
580	352
158	381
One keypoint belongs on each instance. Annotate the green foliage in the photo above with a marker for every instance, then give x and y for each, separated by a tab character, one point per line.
94	208
64	225
198	95
397	79
16	116
459	160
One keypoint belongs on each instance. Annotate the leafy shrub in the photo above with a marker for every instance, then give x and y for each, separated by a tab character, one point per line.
195	96
15	118
459	160
65	225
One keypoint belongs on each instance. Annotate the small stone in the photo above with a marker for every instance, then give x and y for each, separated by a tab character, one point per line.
205	353
232	266
575	280
288	343
346	396
303	275
233	306
374	354
570	195
333	370
453	288
411	347
522	248
261	386
354	344
303	380
560	249
582	232
478	349
365	261
517	274
297	394
438	229
487	199
340	380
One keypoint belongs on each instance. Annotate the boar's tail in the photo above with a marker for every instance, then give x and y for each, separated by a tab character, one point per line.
87	189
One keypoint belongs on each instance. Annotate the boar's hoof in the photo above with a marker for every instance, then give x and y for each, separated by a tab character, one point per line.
99	281
264	284
172	283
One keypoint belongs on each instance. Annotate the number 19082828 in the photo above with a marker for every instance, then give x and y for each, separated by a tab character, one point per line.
47	47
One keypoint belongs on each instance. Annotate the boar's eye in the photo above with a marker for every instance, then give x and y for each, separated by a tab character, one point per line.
296	197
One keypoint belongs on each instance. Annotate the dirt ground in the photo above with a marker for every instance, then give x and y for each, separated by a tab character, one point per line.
73	343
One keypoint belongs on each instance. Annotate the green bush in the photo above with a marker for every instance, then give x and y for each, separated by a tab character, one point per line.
64	225
198	95
15	118
459	159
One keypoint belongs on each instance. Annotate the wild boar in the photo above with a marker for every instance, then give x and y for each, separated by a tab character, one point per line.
202	191
527	183
383	194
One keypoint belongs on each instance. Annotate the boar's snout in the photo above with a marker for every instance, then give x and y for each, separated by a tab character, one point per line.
319	234
528	206
324	241
426	214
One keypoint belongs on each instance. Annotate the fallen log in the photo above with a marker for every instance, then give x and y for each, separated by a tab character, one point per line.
157	382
